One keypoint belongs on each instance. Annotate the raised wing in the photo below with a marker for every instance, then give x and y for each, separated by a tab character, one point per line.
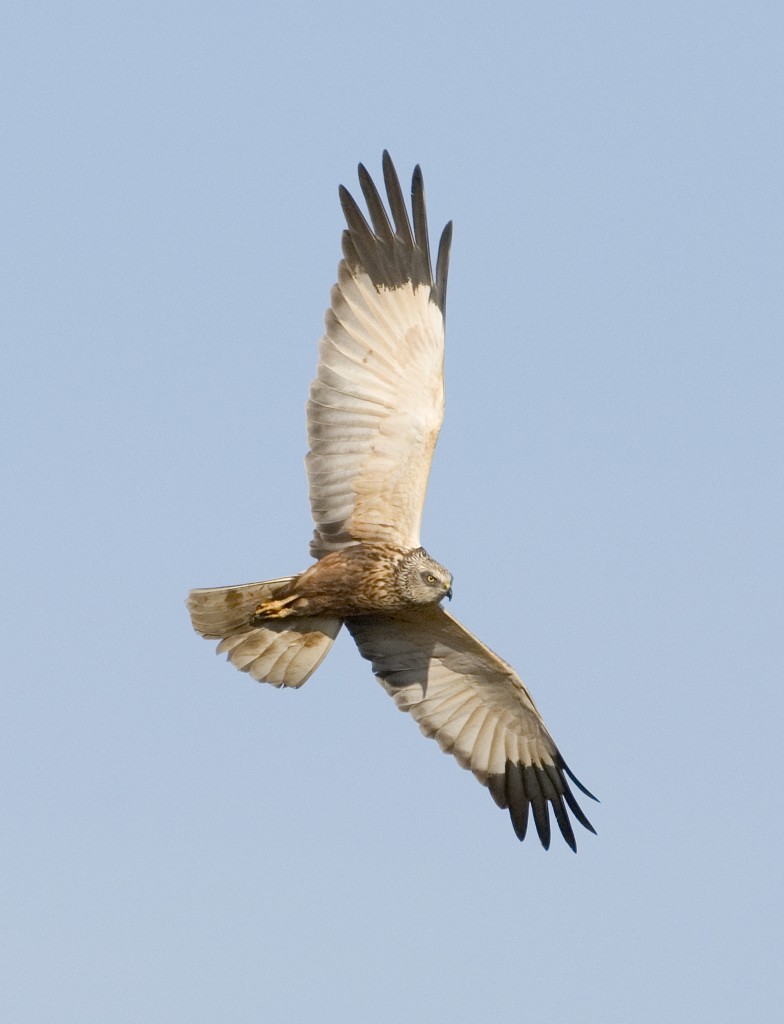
377	402
476	707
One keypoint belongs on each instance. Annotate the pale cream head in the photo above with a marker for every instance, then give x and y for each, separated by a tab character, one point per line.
420	579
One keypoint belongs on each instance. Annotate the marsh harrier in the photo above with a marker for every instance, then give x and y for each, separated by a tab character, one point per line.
374	414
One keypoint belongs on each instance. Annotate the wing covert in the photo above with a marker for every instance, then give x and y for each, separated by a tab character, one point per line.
377	402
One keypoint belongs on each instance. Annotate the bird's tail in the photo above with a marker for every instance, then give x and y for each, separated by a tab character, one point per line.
283	652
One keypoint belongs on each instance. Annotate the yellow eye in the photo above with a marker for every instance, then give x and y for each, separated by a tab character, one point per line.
431	579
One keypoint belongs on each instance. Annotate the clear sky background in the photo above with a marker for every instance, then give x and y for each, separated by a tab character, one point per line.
182	844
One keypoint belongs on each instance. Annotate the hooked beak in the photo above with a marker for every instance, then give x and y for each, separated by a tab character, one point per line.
448	594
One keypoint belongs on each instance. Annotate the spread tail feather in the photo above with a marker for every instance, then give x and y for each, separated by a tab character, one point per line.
283	652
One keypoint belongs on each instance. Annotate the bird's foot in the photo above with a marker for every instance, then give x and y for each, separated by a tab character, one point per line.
273	609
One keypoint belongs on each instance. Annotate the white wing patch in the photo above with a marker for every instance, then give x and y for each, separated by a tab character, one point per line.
374	413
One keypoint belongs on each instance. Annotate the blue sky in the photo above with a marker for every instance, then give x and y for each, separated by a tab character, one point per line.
185	845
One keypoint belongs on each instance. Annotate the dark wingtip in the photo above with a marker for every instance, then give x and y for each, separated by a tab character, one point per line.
577	782
347	202
539	790
442	267
392	253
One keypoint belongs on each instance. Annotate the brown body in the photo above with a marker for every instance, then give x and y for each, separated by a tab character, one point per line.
360	580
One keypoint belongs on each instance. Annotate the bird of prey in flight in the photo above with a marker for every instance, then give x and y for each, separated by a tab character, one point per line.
374	413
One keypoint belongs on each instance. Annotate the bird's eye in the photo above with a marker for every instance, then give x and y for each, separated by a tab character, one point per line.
431	578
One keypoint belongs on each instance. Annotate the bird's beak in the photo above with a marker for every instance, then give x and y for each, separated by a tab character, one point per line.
449	594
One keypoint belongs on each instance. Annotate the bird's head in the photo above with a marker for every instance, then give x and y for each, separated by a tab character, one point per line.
420	579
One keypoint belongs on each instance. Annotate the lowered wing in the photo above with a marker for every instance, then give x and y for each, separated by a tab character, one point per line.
476	707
